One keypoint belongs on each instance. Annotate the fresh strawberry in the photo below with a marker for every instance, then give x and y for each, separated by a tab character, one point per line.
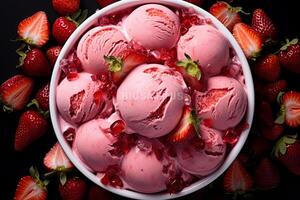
271	90
56	159
225	13
32	125
66	7
42	97
62	29
31	187
249	40
268	68
267	175
53	53
237	179
15	92
290	56
287	151
262	24
34	30
74	189
104	3
127	60
192	73
186	128
290	109
34	63
273	132
96	193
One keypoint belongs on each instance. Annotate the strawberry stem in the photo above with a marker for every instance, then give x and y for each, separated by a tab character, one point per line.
190	66
115	64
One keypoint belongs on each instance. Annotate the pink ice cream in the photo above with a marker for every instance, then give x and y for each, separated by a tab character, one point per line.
224	102
202	162
142	170
97	43
75	99
92	144
151	100
207	45
153	26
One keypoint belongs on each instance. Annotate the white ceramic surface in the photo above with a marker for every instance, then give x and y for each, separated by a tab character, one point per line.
92	20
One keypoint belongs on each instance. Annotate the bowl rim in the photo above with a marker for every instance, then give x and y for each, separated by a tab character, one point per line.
86	25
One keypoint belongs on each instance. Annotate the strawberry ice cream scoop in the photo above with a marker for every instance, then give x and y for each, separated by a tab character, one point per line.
224	102
151	100
207	45
153	26
92	145
202	161
75	99
97	43
143	169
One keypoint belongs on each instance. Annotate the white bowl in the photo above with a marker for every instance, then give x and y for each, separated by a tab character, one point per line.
92	20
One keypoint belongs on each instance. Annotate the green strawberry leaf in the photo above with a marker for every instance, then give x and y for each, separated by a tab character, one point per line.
63	178
281	115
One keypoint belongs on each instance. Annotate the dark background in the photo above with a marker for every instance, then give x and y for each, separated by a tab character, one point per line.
14	165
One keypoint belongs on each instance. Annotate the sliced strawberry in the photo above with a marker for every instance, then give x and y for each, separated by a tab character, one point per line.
15	92
74	189
225	13
186	128
268	68
56	159
267	175
32	125
249	40
31	187
262	24
127	60
237	179
34	30
290	109
287	151
192	73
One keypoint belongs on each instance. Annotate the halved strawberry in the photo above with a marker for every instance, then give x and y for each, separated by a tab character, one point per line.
56	159
31	187
192	73
15	92
290	109
237	179
34	30
249	40
127	60
225	13
186	128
